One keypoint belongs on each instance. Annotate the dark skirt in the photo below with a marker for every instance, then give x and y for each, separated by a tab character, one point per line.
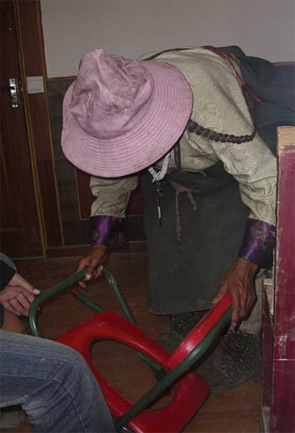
188	260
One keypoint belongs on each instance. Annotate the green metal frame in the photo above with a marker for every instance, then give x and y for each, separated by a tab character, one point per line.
47	294
69	282
117	292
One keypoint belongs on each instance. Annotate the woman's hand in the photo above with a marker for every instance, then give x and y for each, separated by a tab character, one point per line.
239	284
92	262
18	295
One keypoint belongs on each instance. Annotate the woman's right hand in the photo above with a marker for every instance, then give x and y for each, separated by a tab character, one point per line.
92	262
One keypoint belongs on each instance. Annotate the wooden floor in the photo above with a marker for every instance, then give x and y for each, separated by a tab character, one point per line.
235	411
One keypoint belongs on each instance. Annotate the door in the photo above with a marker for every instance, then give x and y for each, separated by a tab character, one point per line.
20	232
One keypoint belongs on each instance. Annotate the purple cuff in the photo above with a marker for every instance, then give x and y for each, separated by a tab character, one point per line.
108	230
259	242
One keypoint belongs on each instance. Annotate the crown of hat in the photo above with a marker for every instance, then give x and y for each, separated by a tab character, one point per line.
111	94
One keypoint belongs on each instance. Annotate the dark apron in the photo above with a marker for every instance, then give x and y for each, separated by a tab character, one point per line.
184	273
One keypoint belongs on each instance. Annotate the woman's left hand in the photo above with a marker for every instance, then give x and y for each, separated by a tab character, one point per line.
239	284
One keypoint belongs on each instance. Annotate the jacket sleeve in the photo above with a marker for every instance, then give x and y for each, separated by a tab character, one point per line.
108	211
222	108
253	165
6	274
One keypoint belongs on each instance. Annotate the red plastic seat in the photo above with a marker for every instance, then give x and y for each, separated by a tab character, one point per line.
197	335
190	390
189	394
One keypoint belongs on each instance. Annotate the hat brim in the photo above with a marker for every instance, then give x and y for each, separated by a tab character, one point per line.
150	140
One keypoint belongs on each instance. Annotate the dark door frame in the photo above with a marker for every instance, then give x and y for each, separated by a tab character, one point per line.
32	63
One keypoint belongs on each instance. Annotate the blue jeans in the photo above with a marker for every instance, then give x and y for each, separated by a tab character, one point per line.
53	384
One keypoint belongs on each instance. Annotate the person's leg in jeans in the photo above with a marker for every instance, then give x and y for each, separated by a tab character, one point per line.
53	384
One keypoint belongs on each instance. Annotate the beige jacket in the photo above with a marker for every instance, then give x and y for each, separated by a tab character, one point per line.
219	105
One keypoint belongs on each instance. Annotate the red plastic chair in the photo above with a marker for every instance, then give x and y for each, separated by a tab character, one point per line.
190	390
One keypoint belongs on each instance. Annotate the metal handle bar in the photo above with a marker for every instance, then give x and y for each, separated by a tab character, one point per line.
68	282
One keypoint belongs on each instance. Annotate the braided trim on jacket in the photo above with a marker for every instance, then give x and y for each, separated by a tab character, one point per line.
218	136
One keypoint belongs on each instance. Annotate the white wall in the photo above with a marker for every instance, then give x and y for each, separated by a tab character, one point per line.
263	28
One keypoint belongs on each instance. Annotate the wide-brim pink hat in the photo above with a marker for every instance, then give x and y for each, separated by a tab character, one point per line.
121	116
